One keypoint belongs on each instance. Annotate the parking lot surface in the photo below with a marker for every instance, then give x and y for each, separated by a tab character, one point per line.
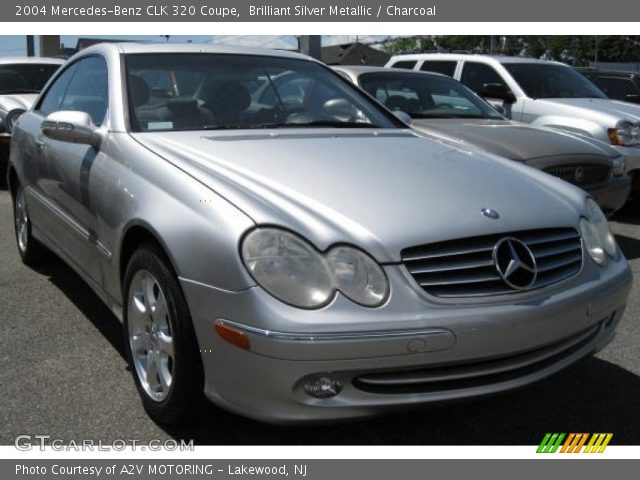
62	373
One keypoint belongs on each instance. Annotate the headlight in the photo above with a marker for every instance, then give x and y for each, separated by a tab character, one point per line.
625	134
358	276
11	118
293	271
618	166
596	235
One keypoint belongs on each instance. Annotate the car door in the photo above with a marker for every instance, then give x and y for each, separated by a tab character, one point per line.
66	177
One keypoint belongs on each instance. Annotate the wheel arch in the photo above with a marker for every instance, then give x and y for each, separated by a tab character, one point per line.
136	234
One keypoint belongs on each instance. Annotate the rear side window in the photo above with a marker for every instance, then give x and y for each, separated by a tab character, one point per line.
406	64
439	66
475	75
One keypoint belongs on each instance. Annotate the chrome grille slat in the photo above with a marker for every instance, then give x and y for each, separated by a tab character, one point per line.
560	262
452	266
446	254
458	281
465	267
556	250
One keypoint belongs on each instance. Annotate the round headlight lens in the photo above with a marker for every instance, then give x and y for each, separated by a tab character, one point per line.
599	220
358	276
592	242
288	267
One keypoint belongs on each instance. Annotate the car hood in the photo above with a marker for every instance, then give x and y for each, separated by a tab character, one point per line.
514	140
17	100
601	110
382	190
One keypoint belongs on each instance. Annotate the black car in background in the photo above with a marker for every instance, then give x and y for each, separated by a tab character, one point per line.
618	85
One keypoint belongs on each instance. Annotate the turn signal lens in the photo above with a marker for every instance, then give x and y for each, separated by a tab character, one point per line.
233	336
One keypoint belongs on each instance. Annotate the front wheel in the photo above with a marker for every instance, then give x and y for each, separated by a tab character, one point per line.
160	340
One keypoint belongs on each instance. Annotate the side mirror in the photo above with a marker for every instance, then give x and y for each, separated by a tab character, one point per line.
340	109
73	127
497	90
403	116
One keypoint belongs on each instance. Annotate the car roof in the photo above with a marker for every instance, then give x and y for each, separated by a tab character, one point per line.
360	69
473	56
142	47
37	60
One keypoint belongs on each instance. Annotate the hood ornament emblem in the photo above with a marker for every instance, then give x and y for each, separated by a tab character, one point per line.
490	213
515	263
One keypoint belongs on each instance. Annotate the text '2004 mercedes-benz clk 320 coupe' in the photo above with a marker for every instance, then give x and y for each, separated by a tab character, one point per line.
299	254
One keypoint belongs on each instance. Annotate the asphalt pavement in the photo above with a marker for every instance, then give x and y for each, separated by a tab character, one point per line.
63	374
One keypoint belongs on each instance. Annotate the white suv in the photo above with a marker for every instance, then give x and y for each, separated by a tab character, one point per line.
542	93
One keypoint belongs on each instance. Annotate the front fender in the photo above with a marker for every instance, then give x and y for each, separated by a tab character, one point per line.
198	229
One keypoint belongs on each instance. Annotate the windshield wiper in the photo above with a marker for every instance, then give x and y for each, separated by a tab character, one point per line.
221	127
316	123
330	123
445	115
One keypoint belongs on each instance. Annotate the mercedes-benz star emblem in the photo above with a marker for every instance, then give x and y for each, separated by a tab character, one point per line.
489	213
515	263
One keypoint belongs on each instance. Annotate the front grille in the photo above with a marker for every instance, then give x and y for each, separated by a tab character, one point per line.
473	374
465	267
581	175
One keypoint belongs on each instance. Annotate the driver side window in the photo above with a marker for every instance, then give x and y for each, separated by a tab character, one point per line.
52	99
475	75
82	87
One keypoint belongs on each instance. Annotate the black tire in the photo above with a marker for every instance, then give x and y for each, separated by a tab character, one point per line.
31	250
186	392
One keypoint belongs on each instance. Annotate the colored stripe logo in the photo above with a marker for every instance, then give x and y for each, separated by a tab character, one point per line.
574	442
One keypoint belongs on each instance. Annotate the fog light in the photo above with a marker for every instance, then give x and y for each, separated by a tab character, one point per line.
323	387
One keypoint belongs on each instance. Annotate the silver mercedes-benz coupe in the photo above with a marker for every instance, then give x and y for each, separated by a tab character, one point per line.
299	254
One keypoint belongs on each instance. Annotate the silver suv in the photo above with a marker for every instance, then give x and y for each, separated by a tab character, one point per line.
542	93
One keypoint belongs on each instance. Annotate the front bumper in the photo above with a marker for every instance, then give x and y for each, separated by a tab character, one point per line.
612	195
411	351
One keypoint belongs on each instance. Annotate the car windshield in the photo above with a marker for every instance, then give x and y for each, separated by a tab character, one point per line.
539	80
25	77
194	91
426	96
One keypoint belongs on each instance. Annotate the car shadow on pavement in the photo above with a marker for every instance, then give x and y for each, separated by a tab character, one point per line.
591	396
629	214
85	300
